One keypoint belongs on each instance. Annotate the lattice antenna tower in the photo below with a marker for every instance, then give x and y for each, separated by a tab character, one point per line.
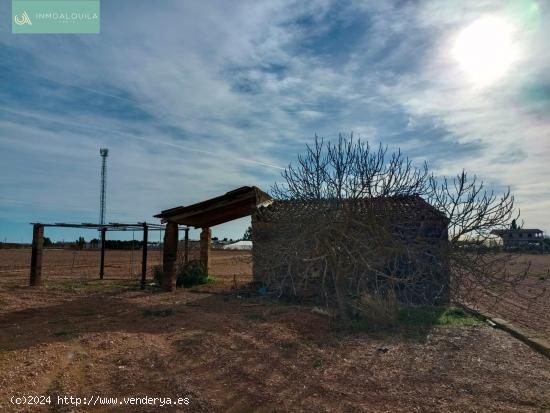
104	152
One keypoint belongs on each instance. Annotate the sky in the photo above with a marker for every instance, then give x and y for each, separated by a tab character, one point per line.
194	99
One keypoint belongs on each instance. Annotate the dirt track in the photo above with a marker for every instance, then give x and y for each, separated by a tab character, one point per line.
232	353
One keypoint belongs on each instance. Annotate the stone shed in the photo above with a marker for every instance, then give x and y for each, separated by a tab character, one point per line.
402	242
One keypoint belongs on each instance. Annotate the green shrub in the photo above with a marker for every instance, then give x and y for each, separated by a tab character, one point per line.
412	319
191	274
187	275
157	274
425	315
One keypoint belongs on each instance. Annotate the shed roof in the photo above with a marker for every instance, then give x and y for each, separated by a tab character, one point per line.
406	206
235	204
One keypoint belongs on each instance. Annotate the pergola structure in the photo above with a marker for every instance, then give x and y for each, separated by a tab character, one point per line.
38	245
235	204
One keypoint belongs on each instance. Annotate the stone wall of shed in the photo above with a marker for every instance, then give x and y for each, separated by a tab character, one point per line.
280	274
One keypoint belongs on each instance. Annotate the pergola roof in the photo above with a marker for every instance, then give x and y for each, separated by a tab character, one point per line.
235	204
111	226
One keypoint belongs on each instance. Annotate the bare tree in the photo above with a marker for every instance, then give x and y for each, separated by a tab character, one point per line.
473	212
353	222
350	169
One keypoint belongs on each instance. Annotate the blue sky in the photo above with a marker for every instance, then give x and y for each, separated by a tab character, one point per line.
197	98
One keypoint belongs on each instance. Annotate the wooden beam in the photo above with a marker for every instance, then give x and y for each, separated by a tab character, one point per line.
186	252
170	254
203	220
237	209
217	202
206	238
102	260
144	257
233	205
36	255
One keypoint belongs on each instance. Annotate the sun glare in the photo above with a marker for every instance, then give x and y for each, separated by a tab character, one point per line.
486	49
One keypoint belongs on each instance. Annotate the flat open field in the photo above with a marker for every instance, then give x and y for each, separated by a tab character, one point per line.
119	264
527	304
226	351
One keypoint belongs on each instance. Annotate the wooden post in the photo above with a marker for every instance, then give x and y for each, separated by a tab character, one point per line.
170	254
206	238
36	257
144	256
186	252
102	262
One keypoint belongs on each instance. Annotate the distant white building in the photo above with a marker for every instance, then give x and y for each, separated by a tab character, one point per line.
520	237
239	245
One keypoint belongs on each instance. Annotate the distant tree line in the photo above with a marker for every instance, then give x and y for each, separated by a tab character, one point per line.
118	244
248	234
79	243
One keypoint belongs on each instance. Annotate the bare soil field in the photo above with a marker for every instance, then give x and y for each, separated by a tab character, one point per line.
60	265
228	351
528	303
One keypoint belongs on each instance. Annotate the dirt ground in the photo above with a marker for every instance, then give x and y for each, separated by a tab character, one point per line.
227	351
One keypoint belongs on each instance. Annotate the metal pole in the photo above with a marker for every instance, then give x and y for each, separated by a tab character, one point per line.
102	264
144	257
104	152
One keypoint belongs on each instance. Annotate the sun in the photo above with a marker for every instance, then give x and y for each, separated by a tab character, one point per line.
486	49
